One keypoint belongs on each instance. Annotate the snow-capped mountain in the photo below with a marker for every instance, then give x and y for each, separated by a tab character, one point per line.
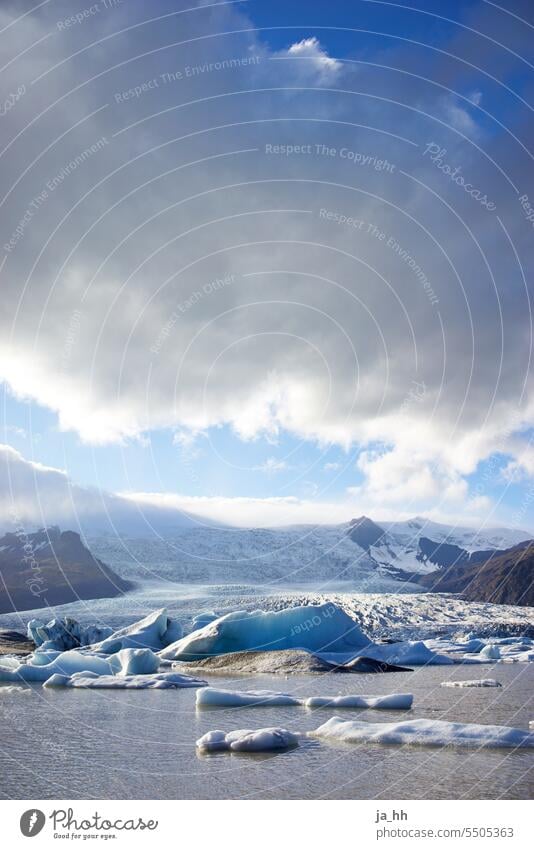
363	555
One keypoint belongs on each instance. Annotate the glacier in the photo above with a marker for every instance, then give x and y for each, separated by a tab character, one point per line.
424	732
248	740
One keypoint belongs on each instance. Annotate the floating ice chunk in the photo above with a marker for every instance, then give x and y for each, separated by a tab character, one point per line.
531	725
65	634
12	688
395	701
492	652
66	663
246	740
134	662
210	696
424	732
158	681
154	632
318	628
478	682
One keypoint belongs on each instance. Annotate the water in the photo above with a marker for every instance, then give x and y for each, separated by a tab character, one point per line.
72	744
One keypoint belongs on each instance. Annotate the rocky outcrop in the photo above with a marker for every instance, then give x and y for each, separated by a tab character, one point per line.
51	567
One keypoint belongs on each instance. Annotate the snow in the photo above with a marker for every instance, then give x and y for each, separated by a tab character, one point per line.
318	628
477	682
155	632
395	701
212	697
159	681
247	740
262	698
424	732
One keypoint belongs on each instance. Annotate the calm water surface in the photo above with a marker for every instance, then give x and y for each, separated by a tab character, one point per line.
141	744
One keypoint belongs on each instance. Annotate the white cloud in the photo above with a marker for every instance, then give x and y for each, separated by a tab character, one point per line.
315	58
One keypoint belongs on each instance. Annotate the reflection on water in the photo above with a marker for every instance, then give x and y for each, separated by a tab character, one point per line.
141	744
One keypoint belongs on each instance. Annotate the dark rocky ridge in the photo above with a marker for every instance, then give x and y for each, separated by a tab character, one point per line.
506	577
51	567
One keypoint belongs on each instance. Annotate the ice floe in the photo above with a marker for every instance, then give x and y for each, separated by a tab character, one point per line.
395	701
478	682
158	681
318	628
213	697
424	732
248	740
13	688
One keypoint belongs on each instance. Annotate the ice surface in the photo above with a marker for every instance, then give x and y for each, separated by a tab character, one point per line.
261	698
395	701
64	634
210	696
478	682
158	681
247	740
154	632
318	628
424	732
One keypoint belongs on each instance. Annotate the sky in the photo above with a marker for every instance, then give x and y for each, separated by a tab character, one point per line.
268	262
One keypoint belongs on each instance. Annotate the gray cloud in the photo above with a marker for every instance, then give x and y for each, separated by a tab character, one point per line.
192	272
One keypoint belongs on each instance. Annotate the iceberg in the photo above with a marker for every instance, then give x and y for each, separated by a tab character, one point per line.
478	682
212	697
317	628
395	701
64	634
134	662
424	732
159	681
65	663
247	740
491	651
42	665
154	632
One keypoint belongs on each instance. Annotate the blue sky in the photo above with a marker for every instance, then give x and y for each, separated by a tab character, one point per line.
126	367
